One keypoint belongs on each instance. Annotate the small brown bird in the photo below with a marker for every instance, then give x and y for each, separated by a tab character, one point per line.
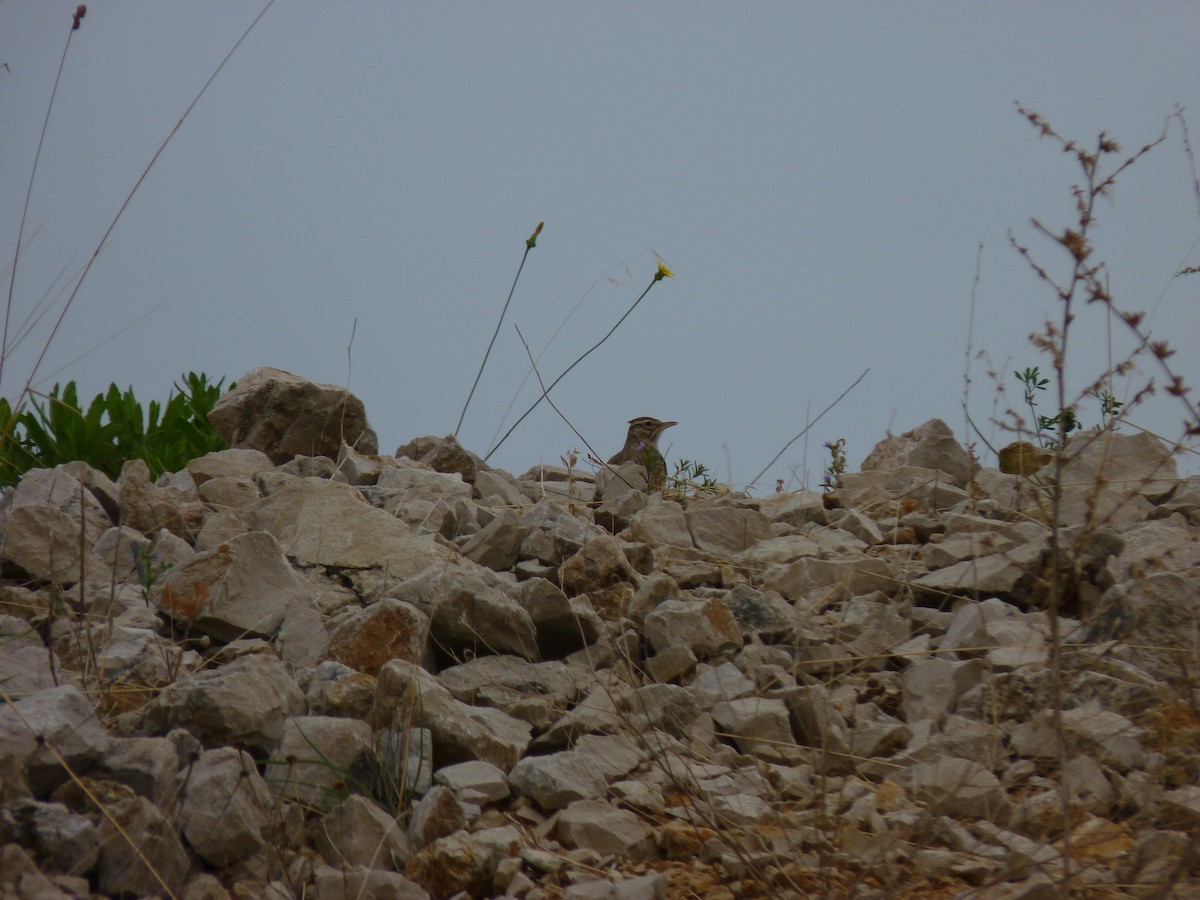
641	446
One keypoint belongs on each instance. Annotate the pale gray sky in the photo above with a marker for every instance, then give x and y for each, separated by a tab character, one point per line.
818	176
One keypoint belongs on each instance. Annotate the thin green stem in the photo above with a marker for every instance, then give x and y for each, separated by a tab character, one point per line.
125	205
28	193
529	245
545	393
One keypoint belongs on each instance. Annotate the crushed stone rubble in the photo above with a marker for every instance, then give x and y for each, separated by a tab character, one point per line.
342	674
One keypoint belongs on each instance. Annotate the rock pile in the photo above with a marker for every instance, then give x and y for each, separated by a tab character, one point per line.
417	676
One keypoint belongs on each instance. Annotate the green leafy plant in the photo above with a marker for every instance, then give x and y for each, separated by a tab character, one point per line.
113	428
1067	421
837	465
691	478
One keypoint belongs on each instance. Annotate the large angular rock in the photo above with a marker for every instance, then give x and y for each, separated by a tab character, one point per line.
724	530
149	765
48	726
42	543
389	629
64	840
140	852
469	612
956	787
600	826
358	832
240	589
406	693
759	726
236	463
929	446
537	693
1156	618
557	779
325	523
226	810
283	415
61	490
319	759
26	666
1109	479
355	882
147	507
243	703
707	627
554	533
563	624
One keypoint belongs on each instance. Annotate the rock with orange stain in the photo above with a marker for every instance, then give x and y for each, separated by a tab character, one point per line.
238	589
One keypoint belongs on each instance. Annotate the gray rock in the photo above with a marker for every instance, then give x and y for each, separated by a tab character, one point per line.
817	722
227	492
1156	617
325	523
929	446
644	887
147	508
766	616
121	550
847	576
956	787
663	525
145	857
474	781
236	463
44	543
436	815
353	882
284	416
243	703
555	780
563	624
319	759
469	612
498	544
26	666
725	530
707	628
149	765
538	693
597	566
226	812
932	687
596	825
714	685
554	533
498	488
1103	734
795	508
357	832
49	725
240	589
1000	575
760	727
406	693
65	841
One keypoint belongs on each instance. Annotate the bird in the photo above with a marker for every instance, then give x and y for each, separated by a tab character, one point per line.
641	447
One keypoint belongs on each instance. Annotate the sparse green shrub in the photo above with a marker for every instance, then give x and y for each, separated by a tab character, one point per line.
832	479
114	427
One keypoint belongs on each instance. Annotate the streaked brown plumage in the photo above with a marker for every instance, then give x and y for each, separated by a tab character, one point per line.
641	446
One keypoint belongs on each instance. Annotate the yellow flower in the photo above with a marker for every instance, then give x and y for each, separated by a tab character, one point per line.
663	272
